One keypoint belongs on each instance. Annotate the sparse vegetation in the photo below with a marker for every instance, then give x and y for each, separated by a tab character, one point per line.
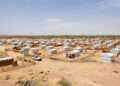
37	80
64	82
25	83
62	36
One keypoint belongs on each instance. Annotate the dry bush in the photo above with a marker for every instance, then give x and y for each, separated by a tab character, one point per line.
36	81
26	83
64	82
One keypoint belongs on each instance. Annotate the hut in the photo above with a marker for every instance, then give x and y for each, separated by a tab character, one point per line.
6	61
25	51
37	58
49	47
115	51
107	57
52	51
35	51
72	54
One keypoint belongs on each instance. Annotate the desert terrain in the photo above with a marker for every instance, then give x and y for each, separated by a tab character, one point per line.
56	69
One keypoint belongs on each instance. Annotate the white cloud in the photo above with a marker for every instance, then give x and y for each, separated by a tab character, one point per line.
54	20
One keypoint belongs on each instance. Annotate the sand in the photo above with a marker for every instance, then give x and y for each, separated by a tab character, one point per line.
49	72
79	74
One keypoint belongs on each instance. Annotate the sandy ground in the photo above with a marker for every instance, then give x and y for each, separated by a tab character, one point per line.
50	71
79	74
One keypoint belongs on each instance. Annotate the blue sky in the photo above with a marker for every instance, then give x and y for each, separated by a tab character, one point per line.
43	17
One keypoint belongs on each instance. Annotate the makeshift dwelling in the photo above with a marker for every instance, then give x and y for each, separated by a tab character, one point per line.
14	43
6	61
109	45
66	43
25	51
58	44
37	58
79	49
115	51
96	45
107	57
43	46
35	51
16	48
52	51
1	43
49	47
67	49
72	54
